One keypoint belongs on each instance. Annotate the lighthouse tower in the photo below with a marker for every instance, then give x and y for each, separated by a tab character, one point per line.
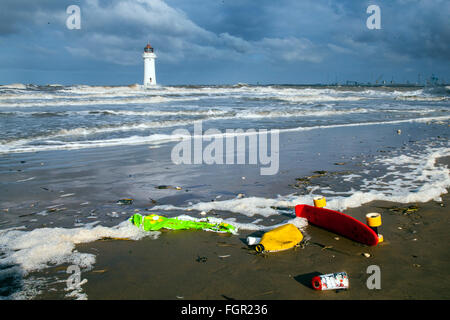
149	66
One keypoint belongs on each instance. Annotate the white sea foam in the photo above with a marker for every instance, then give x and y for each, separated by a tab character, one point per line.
422	98
318	98
39	248
424	181
13	86
87	93
88	102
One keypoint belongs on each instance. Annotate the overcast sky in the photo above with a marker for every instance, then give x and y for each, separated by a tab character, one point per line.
223	41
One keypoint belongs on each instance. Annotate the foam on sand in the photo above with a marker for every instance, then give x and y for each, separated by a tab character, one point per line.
27	251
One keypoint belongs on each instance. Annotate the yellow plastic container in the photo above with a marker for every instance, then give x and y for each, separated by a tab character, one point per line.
320	202
280	238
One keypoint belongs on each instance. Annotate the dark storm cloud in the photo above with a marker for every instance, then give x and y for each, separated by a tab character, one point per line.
288	34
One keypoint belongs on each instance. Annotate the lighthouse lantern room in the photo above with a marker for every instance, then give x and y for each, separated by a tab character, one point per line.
149	66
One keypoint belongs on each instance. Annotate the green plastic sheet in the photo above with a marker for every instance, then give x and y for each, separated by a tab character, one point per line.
155	222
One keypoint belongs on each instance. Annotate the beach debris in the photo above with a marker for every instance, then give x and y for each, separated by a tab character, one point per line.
405	210
27	214
338	223
201	259
114	238
84	203
125	201
399	131
99	271
240	195
162	187
416	265
225	256
155	222
366	254
281	238
168	187
336	238
288	208
203	213
339	163
318	174
331	281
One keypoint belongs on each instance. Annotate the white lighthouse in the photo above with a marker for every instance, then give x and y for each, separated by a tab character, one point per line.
149	66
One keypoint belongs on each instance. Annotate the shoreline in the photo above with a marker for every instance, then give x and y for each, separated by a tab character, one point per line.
205	265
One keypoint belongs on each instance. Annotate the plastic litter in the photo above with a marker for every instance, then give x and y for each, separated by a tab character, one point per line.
155	222
281	238
125	201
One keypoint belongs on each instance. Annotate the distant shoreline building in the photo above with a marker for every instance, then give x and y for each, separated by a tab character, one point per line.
149	66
